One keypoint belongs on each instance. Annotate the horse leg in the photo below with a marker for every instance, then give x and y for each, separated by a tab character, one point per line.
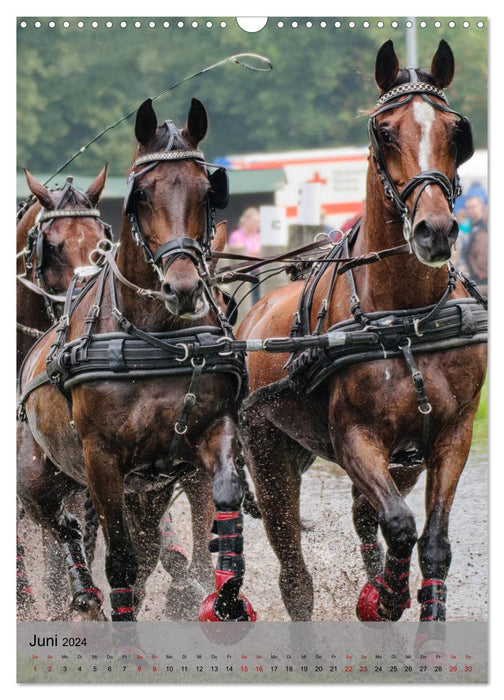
366	462
365	519
41	488
276	463
143	512
190	583
55	575
105	483
444	467
198	489
218	451
366	525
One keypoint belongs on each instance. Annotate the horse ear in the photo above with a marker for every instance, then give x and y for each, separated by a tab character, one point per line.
219	242
40	191
443	65
96	188
146	122
386	66
197	123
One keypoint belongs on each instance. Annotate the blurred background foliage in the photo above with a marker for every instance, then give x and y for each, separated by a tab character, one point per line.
73	82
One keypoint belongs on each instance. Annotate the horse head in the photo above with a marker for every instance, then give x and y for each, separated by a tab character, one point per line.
66	229
418	142
170	200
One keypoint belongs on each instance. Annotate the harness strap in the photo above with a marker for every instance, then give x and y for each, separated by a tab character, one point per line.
423	403
187	406
144	293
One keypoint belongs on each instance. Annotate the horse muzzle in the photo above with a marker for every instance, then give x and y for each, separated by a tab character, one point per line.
433	240
185	301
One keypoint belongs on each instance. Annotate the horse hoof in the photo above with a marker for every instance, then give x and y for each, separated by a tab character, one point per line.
183	602
223	632
88	604
208	614
367	605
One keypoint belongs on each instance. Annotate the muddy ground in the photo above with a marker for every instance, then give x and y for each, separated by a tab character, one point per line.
331	551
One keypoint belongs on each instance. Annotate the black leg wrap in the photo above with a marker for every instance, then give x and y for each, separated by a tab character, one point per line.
230	569
393	587
432	598
123	601
229	544
83	590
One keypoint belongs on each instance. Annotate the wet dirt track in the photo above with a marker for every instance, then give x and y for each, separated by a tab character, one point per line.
331	550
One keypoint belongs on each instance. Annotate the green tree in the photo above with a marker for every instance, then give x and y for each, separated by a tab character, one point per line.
73	82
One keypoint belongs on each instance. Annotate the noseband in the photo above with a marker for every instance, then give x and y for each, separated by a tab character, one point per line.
464	142
183	246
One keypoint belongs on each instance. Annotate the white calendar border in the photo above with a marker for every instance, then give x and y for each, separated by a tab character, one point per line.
237	8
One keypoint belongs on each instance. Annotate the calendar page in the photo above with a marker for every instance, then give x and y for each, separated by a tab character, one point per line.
253	451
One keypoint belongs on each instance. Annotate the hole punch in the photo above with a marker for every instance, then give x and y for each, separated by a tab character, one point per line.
252	24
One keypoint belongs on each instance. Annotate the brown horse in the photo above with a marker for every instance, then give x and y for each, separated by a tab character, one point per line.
55	235
131	392
420	392
56	232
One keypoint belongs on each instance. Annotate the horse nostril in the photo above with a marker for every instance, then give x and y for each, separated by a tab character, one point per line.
423	233
454	231
167	290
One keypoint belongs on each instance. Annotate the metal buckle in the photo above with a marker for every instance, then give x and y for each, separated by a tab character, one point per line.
220	341
197	366
186	352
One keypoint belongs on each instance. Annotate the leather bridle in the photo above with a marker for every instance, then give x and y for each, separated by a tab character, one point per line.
400	96
198	252
33	254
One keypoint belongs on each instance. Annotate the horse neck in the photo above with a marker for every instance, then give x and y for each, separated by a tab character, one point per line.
400	281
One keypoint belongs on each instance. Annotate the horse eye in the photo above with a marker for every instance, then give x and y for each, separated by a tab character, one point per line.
386	136
141	195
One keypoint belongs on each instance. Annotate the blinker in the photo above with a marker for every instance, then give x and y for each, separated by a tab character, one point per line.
219	188
128	197
464	141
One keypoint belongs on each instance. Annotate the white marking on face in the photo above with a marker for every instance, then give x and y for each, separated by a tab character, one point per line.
387	374
424	116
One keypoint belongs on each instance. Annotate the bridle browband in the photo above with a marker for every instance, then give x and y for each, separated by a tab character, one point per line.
399	96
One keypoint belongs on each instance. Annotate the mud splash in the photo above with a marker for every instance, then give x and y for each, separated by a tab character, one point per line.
331	550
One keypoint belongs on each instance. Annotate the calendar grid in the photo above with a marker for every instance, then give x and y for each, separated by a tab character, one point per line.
252	653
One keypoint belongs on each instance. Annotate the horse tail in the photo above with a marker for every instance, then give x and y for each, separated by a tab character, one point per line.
249	502
90	529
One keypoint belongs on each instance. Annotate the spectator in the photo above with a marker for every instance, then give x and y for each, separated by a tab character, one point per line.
248	236
474	254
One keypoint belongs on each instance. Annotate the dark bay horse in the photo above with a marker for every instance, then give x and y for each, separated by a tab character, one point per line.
57	231
419	394
130	391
